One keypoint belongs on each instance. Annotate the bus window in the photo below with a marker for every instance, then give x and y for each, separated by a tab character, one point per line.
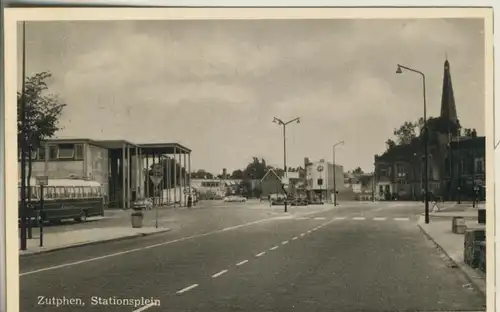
71	191
99	192
34	192
93	192
79	191
60	193
48	192
85	192
19	194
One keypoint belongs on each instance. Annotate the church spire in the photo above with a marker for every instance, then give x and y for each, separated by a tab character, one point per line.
448	108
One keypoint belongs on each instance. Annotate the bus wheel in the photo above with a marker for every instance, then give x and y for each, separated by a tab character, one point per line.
82	217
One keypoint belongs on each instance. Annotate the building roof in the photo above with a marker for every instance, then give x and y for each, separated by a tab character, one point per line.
448	107
272	172
146	148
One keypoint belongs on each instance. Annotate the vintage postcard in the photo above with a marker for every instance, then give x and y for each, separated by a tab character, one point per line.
249	159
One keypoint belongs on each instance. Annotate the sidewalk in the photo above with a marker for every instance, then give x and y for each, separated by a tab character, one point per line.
77	238
452	245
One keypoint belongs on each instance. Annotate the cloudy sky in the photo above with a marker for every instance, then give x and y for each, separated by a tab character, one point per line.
215	86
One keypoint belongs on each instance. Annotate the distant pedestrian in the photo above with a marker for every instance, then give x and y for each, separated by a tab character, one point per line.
190	201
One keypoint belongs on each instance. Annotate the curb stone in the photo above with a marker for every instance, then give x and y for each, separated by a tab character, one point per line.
90	243
470	274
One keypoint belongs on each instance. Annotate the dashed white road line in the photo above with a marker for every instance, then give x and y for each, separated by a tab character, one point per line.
358	218
273	248
143	308
69	264
187	289
260	254
302	234
294	238
320	218
219	273
301	218
401	219
284	242
242	262
339	218
379	219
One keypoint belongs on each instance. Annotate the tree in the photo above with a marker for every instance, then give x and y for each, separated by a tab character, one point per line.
237	174
468	132
42	112
406	132
357	171
202	174
390	144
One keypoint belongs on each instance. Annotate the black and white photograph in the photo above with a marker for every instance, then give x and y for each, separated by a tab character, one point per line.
254	162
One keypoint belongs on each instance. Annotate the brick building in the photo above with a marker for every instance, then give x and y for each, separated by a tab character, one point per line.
456	161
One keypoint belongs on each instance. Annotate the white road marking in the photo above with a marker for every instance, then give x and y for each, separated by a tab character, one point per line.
260	254
401	219
301	218
320	218
274	248
339	218
309	231
284	243
302	234
358	218
242	262
294	238
143	308
187	289
219	273
379	219
69	264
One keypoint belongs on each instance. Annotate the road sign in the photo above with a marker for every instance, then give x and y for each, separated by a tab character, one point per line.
156	179
42	180
285	181
157	170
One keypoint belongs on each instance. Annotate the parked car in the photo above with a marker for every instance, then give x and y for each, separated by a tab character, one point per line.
234	198
143	203
299	202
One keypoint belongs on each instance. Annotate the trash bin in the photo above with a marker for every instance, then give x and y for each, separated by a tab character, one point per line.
136	218
458	225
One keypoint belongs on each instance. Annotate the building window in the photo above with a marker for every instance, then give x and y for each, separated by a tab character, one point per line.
52	152
34	154
41	153
79	151
320	182
66	151
479	166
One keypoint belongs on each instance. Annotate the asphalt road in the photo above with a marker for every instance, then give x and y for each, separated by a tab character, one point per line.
355	258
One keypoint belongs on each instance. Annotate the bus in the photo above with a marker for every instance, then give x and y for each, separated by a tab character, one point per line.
65	199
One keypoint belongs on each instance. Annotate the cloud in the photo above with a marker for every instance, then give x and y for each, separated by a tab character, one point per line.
215	85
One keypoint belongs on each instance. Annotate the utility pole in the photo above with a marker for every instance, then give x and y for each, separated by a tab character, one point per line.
285	175
335	173
22	142
426	139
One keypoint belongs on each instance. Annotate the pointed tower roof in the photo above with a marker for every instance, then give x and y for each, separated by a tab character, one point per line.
448	108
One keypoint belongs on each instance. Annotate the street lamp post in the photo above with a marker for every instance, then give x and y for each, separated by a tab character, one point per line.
426	139
284	124
335	173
